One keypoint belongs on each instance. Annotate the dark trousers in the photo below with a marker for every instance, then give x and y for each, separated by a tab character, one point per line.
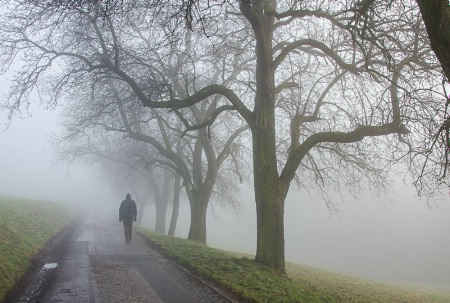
128	227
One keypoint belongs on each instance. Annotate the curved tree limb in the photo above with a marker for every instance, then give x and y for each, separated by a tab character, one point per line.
319	45
356	135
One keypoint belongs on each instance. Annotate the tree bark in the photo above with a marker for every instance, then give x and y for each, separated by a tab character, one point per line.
203	186
197	230
161	202
269	205
161	211
436	15
140	214
176	205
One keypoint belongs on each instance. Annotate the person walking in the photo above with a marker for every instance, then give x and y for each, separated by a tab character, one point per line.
128	212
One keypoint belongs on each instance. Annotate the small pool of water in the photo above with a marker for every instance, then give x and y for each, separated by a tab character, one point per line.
50	265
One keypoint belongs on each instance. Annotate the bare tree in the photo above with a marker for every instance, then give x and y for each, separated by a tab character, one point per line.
113	107
124	165
330	94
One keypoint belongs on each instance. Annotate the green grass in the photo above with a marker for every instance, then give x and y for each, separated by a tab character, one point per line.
25	226
248	281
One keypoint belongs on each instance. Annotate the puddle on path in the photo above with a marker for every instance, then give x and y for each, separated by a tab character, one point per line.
34	290
50	266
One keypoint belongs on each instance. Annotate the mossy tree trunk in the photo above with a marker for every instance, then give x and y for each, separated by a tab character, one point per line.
203	184
197	229
269	207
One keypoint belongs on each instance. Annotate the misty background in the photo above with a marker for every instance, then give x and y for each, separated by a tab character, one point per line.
396	238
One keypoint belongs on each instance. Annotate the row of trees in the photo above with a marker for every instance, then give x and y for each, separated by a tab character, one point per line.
325	94
111	107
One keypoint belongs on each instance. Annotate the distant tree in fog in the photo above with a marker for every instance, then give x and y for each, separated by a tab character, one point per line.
126	166
122	179
332	96
127	123
157	180
111	106
149	184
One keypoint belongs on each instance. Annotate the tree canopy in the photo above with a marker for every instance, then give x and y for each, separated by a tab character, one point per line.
333	92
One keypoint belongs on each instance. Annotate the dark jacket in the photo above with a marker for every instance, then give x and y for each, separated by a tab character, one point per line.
128	209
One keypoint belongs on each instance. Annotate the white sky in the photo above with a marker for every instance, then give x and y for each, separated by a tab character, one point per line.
28	166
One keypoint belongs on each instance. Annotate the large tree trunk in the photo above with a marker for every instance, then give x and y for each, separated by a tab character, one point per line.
197	230
176	192
176	205
436	16
269	204
140	215
161	202
269	208
161	211
202	186
199	203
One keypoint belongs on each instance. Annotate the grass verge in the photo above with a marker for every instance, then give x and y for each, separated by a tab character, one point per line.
248	281
26	226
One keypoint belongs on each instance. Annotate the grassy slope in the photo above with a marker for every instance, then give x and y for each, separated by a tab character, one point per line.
25	227
250	282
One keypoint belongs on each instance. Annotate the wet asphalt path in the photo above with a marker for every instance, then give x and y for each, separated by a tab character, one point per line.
99	266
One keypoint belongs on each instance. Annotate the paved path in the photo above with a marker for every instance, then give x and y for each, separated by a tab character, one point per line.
99	266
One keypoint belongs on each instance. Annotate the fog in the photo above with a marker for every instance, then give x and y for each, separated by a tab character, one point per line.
29	168
397	238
